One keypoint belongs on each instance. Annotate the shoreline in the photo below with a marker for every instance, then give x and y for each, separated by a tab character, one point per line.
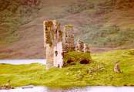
99	72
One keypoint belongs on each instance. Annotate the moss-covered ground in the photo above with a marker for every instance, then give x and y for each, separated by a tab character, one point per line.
98	72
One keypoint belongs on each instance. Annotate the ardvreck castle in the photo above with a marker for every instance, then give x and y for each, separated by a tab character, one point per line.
57	42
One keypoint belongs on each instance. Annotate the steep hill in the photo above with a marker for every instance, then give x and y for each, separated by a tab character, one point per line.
107	23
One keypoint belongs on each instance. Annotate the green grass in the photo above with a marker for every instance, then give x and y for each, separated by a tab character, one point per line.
99	72
76	57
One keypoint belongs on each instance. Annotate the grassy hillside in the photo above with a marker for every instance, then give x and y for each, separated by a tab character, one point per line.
13	14
108	24
105	23
99	72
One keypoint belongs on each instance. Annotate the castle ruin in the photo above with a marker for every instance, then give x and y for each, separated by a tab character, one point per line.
57	42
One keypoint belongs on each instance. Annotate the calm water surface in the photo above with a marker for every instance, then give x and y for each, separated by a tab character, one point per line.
23	61
86	89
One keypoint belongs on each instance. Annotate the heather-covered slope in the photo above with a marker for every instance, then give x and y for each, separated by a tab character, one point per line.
105	23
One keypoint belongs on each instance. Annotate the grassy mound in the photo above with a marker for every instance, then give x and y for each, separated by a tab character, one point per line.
99	72
76	57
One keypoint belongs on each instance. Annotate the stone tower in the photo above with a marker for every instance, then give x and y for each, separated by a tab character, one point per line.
68	38
56	42
53	44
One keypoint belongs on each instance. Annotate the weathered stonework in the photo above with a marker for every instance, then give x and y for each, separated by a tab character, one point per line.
57	42
68	38
82	47
79	46
53	44
86	48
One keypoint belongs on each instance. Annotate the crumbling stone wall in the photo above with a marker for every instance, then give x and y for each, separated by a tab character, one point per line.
48	43
53	44
79	46
86	48
82	47
58	45
56	42
68	38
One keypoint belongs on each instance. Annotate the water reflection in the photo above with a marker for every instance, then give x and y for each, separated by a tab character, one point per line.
85	89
